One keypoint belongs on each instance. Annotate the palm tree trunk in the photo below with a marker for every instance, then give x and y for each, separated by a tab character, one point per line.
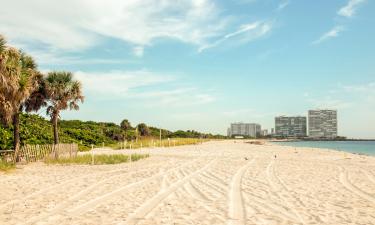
16	135
55	129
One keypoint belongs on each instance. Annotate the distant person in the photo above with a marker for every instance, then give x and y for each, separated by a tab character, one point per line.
275	156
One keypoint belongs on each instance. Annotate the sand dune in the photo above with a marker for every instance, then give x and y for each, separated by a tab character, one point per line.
213	183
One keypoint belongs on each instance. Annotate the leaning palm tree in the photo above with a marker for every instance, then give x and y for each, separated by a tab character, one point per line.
63	93
18	73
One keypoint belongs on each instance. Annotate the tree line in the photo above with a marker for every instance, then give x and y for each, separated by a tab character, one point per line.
23	88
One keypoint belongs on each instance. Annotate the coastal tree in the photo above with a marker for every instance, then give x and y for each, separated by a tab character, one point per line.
18	79
143	129
125	126
63	93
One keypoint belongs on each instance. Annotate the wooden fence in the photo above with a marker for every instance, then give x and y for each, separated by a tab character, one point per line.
33	153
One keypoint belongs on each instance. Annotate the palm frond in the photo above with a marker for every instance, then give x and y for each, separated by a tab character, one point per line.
2	44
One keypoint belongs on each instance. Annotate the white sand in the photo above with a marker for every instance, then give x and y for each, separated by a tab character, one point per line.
210	183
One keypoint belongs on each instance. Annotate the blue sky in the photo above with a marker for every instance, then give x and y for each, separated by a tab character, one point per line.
203	64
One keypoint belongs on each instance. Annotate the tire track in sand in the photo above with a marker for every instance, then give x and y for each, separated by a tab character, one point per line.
100	199
370	177
270	171
80	194
80	209
62	183
54	187
344	180
274	209
142	211
236	210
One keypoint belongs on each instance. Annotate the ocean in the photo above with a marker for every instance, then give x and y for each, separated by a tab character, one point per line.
361	147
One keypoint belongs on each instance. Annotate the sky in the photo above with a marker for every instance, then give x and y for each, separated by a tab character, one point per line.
202	64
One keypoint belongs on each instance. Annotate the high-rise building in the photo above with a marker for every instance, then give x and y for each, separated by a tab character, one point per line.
286	126
323	123
245	129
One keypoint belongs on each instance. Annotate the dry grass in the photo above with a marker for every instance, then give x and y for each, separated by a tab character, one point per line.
6	166
89	159
148	143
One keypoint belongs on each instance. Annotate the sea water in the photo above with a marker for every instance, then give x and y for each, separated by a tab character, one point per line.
360	147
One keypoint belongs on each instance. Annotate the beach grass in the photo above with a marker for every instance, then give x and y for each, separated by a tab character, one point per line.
6	166
149	143
89	159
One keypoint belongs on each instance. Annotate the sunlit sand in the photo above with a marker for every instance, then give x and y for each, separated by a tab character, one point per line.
213	183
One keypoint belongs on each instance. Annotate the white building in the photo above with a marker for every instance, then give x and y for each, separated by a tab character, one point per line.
323	123
244	129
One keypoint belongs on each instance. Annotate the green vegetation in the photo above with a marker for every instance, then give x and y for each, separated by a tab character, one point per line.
35	129
23	88
6	166
18	80
62	93
88	159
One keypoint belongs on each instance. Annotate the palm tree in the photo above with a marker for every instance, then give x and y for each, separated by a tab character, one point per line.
143	129
38	98
125	125
18	79
63	93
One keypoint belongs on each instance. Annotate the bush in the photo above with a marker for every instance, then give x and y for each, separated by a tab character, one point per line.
6	166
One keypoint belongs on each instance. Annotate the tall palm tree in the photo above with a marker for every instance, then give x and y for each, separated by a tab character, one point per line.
63	93
18	79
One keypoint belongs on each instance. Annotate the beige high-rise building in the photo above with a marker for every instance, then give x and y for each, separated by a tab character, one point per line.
290	126
245	129
323	123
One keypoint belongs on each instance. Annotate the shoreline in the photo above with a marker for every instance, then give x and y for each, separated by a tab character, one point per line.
322	148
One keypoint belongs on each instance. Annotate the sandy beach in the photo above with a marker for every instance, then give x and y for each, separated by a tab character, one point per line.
224	182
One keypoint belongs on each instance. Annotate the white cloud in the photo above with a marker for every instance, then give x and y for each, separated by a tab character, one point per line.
334	32
119	83
368	88
365	91
350	8
237	112
142	85
176	97
329	102
138	51
283	5
76	25
56	58
347	11
245	34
